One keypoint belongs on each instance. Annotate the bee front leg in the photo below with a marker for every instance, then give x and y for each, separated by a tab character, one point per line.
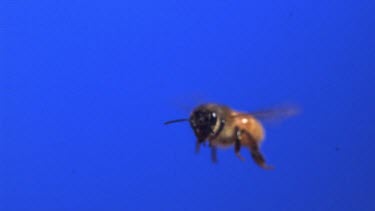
213	154
198	145
247	139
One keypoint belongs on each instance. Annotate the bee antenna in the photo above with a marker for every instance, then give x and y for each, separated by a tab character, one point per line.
175	121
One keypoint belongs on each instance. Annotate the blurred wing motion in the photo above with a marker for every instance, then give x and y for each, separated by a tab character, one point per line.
276	113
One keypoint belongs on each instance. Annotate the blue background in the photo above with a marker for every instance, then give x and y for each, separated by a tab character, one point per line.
86	85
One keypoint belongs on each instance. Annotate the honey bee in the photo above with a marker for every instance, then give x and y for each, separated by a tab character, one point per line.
223	127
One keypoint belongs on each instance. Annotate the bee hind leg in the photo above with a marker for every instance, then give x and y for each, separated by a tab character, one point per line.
253	146
259	158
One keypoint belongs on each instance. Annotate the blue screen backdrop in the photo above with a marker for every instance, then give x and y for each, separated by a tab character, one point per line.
85	87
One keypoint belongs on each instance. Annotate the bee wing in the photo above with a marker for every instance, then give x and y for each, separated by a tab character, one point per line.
275	113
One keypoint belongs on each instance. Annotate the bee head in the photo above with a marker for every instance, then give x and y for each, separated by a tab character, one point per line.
203	122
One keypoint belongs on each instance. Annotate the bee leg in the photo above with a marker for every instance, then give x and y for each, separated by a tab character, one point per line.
237	144
237	148
254	150
198	145
213	154
258	157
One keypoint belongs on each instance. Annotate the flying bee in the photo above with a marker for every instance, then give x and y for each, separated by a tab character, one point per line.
223	127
